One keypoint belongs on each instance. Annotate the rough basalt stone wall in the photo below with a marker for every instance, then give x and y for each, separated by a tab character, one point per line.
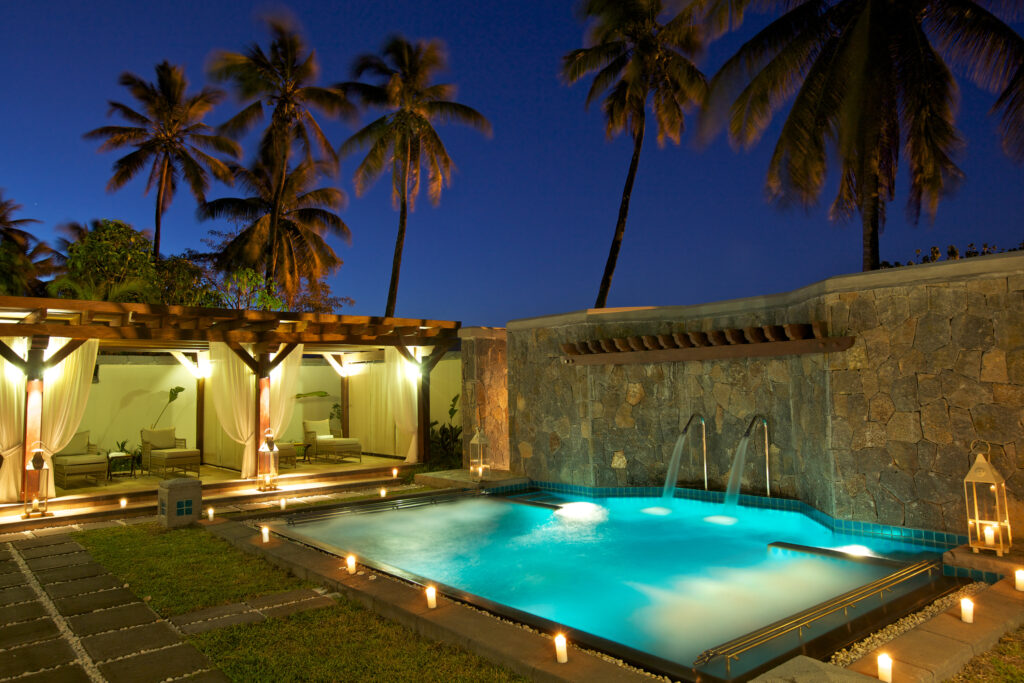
485	391
880	432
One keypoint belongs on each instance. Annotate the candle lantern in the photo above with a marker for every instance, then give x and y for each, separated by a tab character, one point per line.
266	463
37	481
988	521
479	456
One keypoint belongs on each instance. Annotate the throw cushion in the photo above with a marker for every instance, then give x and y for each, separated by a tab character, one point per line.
159	438
321	427
78	445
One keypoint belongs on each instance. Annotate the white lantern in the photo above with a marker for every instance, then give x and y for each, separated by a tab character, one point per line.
479	457
988	521
37	476
266	463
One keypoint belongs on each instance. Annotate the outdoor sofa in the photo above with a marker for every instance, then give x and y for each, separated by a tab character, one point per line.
163	453
323	444
79	458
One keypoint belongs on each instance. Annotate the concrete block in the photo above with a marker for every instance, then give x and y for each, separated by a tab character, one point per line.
179	502
984	633
121	643
902	672
803	669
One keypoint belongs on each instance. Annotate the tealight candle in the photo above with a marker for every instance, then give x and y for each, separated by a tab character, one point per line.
383	493
350	563
266	533
967	611
284	504
885	668
394	473
431	597
561	649
990	535
209	514
35	505
124	503
1019	579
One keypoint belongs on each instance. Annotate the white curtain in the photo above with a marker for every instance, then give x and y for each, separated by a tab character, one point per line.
12	406
231	383
402	395
283	381
65	392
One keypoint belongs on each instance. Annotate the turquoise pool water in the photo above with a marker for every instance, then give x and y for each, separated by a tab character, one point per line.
653	574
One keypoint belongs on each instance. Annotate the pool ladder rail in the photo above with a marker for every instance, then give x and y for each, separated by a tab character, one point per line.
803	620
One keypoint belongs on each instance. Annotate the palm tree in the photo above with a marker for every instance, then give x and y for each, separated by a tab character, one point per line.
868	80
638	55
283	227
11	228
23	264
403	139
169	136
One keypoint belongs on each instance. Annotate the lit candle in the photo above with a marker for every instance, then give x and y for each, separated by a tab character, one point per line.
35	505
394	473
383	493
885	668
431	597
266	479
124	503
350	562
990	535
1019	579
561	649
266	534
283	504
967	611
209	514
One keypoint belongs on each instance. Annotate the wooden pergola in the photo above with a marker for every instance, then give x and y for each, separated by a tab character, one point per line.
150	328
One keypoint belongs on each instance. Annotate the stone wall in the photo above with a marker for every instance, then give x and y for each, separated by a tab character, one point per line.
879	432
485	391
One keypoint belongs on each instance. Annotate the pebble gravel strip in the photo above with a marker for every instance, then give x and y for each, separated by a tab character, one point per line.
853	653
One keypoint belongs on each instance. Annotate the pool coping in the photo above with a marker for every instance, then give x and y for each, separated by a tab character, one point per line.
526	652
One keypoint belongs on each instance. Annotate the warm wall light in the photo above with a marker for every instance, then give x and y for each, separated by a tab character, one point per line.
350	564
967	610
885	668
561	649
124	503
266	533
431	597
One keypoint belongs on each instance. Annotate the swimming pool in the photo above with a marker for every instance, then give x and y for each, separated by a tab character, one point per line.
661	576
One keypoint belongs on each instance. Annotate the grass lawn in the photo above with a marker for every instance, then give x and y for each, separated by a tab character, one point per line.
1003	663
182	570
341	643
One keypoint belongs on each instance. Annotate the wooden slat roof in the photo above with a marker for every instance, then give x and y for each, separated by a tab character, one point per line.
152	326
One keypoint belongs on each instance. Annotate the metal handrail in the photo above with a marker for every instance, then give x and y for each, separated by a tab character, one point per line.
703	441
734	648
750	430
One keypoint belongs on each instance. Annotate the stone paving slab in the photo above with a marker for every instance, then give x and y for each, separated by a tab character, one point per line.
34	657
77	571
55	561
275	599
54	531
209	613
110	619
52	539
72	673
206	677
803	669
82	586
980	636
221	622
11	596
156	666
938	655
9	566
12	614
100	525
91	602
16	536
6	555
902	672
27	632
141	520
12	579
303	605
121	643
55	549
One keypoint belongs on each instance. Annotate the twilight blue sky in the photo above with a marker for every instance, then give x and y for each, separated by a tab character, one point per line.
524	230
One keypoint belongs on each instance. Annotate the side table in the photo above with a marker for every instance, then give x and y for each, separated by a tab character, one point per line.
114	456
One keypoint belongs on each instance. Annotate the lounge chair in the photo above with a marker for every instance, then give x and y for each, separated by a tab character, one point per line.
324	444
162	453
78	458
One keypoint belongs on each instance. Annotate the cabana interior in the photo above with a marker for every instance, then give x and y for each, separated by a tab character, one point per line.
70	367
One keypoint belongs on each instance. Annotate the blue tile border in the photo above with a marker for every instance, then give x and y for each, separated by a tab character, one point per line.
925	537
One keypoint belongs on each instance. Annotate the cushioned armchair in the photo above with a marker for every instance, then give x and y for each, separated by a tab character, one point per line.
79	458
162	453
323	444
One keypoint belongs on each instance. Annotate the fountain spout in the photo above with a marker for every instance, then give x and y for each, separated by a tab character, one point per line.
763	421
703	442
672	476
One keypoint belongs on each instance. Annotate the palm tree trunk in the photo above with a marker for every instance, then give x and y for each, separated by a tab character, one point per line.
403	214
869	216
620	225
159	208
275	216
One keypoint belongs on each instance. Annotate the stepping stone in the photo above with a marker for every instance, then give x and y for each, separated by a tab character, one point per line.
9	567
41	541
72	673
27	632
100	525
121	643
213	676
90	602
209	613
6	555
23	612
45	655
10	596
275	599
160	665
301	606
12	579
54	561
77	571
82	586
10	538
221	622
56	549
111	619
55	531
141	520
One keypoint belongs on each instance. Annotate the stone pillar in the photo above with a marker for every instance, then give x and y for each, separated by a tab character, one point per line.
485	391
